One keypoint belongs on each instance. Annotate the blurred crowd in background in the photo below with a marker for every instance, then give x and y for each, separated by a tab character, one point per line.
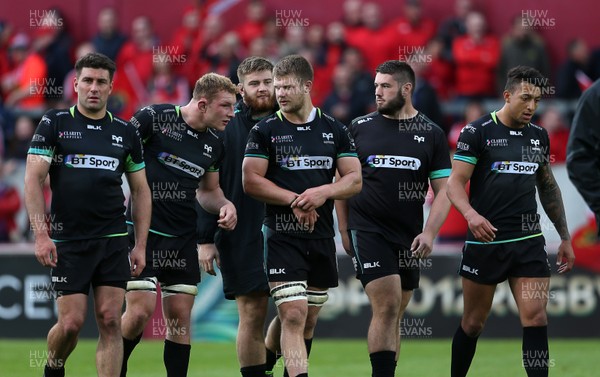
459	66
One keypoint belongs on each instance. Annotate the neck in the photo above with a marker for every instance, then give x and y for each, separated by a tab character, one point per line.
300	116
503	116
406	112
92	115
192	119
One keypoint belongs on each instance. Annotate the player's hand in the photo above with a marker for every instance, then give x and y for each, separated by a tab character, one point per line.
311	199
422	245
207	253
481	228
137	260
565	257
45	251
227	217
307	219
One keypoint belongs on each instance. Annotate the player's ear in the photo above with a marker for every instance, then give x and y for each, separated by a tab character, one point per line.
202	104
506	96
307	86
406	89
240	89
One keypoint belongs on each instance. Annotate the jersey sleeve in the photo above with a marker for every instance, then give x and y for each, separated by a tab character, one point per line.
135	158
257	144
214	168
143	121
345	145
547	158
43	142
440	164
468	146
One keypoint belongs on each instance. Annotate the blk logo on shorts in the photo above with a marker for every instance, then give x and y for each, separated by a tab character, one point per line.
470	270
371	265
276	271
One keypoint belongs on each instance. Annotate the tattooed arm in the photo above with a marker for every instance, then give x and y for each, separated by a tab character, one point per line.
551	200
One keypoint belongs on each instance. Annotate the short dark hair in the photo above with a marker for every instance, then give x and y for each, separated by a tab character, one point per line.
210	84
253	64
96	60
401	71
520	74
295	65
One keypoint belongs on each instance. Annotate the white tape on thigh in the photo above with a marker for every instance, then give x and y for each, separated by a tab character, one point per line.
292	291
170	290
317	298
146	284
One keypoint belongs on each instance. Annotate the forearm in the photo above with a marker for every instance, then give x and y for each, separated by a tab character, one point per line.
345	187
551	200
341	210
212	200
268	192
34	201
438	213
458	196
141	212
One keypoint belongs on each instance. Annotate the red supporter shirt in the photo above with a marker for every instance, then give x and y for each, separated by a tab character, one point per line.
411	36
476	65
376	46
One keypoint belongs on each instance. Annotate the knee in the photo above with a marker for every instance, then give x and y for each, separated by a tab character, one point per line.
536	319
71	325
293	317
253	315
388	311
108	320
472	326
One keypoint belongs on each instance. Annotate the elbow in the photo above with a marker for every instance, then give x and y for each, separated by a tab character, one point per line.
357	184
248	184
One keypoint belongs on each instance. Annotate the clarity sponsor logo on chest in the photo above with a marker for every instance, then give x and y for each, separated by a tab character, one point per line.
70	135
306	162
393	162
514	167
497	142
90	161
282	139
181	164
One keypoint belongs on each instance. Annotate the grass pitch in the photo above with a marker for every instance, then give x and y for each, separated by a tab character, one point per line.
329	358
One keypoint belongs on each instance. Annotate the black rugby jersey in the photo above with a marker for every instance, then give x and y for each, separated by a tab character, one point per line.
250	211
503	181
398	158
300	156
88	158
177	156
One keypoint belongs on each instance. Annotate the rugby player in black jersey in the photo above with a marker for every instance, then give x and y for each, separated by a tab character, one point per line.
239	253
290	162
86	150
506	157
401	152
182	154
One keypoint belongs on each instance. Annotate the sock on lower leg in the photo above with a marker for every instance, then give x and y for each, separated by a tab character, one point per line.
535	351
463	350
128	346
176	357
383	363
54	372
253	371
272	358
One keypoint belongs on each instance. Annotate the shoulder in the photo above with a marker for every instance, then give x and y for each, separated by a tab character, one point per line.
364	119
538	129
479	125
